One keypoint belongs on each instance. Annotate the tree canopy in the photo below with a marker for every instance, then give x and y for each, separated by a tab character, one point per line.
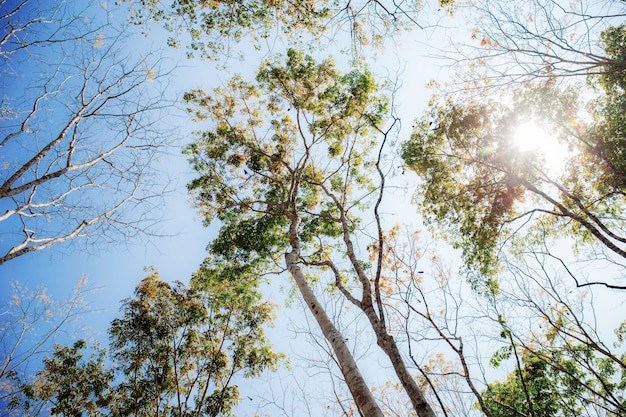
176	351
208	28
295	167
483	189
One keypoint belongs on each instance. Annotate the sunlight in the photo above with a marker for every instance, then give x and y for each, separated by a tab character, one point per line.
532	137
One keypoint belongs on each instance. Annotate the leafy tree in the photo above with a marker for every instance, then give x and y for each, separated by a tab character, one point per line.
563	358
285	170
179	349
209	28
509	211
77	129
530	391
481	188
69	385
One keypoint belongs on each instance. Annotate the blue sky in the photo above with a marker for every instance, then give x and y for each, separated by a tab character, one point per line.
117	268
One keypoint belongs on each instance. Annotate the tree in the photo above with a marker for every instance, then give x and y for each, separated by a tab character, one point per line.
30	322
177	351
210	28
180	349
78	129
483	190
530	391
285	172
555	384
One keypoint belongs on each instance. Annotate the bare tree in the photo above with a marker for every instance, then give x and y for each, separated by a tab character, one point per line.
518	41
30	322
78	129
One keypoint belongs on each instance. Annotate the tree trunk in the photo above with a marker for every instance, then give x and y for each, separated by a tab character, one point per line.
384	339
361	393
389	346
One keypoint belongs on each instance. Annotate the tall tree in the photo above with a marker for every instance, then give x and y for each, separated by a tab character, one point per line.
285	169
483	189
77	128
180	349
210	28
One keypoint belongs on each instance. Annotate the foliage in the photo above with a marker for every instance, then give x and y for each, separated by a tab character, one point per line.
208	23
507	398
561	382
210	27
473	174
180	348
319	122
607	135
481	188
176	351
72	386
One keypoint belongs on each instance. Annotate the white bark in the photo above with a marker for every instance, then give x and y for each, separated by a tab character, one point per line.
361	393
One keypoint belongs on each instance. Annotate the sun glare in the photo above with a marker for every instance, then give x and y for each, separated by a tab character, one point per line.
532	137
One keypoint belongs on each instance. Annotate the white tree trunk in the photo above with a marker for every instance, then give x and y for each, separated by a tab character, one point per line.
361	393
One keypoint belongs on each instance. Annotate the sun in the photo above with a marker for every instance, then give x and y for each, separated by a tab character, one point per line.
536	138
531	137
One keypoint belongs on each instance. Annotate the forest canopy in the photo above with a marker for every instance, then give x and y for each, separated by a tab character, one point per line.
445	243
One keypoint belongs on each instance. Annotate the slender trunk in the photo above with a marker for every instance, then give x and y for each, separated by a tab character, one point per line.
361	393
389	346
383	338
